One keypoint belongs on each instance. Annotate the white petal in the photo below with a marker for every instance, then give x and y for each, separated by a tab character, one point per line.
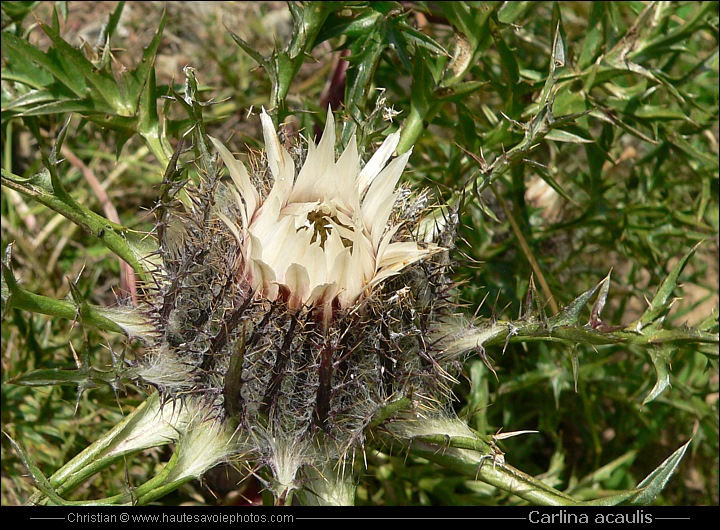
304	189
375	209
263	280
232	226
251	251
315	261
380	219
312	182
241	206
293	249
377	162
386	241
272	144
333	248
326	147
384	184
346	171
297	281
345	273
364	254
240	177
280	163
266	218
379	277
278	244
396	257
399	255
323	293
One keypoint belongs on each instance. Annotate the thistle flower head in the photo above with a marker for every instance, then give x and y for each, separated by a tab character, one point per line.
296	302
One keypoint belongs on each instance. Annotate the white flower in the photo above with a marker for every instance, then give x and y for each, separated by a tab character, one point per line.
320	237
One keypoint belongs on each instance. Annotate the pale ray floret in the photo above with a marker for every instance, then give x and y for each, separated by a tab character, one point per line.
322	235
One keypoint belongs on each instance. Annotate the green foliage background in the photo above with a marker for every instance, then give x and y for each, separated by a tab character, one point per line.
619	100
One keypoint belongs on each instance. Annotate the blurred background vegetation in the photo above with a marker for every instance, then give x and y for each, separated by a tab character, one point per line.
626	180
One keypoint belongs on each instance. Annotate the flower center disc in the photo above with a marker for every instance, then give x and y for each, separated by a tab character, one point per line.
322	224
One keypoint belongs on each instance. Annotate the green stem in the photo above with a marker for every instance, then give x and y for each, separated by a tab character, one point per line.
111	234
451	444
158	145
22	299
157	488
484	468
411	131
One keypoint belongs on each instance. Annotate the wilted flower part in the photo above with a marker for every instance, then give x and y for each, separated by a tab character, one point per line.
163	370
323	234
284	454
134	324
150	425
205	443
328	487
